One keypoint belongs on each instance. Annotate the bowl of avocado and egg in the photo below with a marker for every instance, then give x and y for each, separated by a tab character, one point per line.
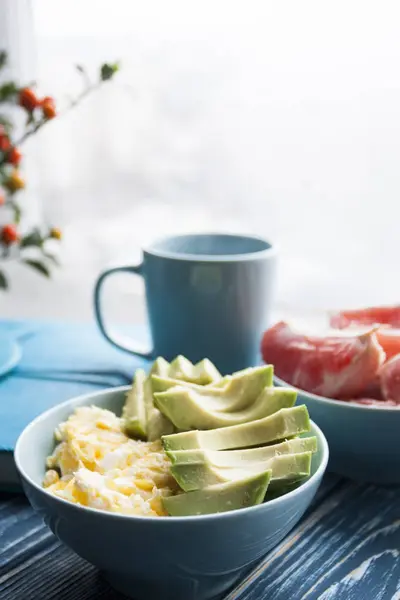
186	476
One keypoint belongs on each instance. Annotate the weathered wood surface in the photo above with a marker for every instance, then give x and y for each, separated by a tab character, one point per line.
347	547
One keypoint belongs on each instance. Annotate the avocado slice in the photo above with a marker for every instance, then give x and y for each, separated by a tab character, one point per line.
163	384
286	423
134	411
202	373
284	469
157	423
237	458
181	368
241	493
186	408
206	372
238	374
290	469
239	392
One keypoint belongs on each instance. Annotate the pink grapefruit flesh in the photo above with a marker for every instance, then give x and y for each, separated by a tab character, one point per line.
387	317
390	379
341	366
378	315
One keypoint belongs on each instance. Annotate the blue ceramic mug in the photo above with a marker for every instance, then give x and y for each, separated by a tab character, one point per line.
208	295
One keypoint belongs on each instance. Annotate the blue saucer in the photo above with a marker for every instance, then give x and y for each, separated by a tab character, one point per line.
10	353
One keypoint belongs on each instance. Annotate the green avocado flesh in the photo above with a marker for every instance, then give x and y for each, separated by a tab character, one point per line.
134	411
185	408
284	469
241	458
283	424
220	498
239	392
163	384
202	373
156	423
141	417
232	441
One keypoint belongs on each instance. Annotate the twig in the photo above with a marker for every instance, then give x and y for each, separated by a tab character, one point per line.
72	105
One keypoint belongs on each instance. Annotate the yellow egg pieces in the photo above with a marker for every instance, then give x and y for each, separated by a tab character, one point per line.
102	468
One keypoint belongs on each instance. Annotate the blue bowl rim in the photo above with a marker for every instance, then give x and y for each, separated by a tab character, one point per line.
225	515
339	403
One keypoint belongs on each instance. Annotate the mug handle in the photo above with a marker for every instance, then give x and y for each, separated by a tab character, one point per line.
119	341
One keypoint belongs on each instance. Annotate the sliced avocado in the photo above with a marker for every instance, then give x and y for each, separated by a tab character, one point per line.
275	401
181	368
157	423
238	375
134	411
203	373
198	475
237	458
285	423
290	469
238	392
206	372
186	409
163	384
281	490
242	493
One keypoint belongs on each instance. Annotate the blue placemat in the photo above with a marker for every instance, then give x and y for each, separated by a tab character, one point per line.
59	361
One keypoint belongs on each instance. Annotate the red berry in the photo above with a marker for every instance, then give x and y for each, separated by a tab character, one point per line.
48	107
14	156
2	198
4	143
9	234
28	99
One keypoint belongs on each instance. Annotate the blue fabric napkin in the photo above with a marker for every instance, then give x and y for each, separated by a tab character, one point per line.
59	361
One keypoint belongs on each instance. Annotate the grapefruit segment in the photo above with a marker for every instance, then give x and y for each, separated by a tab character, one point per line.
378	315
388	317
339	366
389	339
390	379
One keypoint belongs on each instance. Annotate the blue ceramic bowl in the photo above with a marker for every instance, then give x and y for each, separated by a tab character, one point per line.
176	558
363	440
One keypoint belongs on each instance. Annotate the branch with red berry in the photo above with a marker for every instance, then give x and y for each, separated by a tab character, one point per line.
32	247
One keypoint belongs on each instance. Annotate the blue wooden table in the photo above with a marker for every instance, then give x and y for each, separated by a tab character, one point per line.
347	546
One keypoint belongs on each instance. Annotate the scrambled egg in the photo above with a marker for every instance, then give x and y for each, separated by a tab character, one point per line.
95	464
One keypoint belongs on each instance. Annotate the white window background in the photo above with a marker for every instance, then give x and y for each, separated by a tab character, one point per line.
277	118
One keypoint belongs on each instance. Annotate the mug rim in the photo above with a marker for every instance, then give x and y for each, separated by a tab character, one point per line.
152	250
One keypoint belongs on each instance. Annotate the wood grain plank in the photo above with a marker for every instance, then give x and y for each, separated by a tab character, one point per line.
345	549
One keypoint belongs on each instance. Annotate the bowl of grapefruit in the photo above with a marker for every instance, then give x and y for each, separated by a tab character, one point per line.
348	375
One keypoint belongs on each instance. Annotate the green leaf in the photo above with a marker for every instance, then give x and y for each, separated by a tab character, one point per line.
38	266
3	59
6	123
52	258
7	91
32	239
108	71
3	281
17	211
